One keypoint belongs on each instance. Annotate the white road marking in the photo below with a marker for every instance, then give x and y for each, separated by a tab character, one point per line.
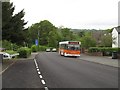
39	72
43	82
40	76
37	69
46	88
36	63
6	68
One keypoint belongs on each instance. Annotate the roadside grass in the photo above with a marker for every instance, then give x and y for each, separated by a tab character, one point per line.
10	52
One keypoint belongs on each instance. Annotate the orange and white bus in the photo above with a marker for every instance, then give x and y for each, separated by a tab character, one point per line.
69	48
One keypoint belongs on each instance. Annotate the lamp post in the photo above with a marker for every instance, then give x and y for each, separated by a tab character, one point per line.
38	39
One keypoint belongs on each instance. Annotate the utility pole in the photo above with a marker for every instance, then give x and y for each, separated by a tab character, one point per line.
38	39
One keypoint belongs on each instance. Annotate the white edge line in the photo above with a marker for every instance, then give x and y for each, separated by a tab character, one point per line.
7	68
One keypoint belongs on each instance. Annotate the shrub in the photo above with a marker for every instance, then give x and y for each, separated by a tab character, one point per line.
104	50
119	50
9	46
10	51
42	48
24	52
34	48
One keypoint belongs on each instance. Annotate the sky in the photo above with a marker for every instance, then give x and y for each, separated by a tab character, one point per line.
75	14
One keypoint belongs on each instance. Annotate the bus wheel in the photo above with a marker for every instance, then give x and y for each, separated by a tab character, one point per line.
64	54
61	54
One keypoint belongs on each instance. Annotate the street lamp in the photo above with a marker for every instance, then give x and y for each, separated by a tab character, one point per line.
38	37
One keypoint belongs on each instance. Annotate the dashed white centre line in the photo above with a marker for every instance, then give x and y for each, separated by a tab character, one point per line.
43	82
39	72
46	88
36	63
40	76
37	69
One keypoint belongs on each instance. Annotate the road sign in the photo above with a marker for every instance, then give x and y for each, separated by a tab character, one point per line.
36	42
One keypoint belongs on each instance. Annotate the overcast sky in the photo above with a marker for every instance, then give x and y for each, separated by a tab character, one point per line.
76	14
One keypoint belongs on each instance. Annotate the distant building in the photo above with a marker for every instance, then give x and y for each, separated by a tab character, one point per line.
116	37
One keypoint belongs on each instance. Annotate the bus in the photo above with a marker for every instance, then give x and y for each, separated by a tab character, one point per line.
69	48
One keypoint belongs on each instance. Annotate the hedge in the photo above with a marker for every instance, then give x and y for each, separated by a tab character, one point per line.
42	48
24	52
102	49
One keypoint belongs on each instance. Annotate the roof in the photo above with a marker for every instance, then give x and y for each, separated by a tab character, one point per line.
66	42
118	29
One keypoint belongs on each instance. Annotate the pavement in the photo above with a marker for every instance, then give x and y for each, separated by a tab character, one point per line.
105	60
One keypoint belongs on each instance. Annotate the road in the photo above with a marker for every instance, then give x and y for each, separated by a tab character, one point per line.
59	72
22	74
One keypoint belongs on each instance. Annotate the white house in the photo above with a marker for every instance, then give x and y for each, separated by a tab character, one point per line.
116	37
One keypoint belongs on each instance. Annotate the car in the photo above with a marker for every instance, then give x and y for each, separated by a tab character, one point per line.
54	50
48	50
6	55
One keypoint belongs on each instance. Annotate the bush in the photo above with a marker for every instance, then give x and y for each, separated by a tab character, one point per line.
102	49
34	48
24	52
10	51
9	46
42	48
105	50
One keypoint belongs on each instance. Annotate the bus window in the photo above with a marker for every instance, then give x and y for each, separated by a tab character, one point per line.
73	47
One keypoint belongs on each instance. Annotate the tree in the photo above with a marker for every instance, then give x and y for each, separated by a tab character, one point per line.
66	34
106	40
7	12
13	26
44	29
52	39
32	33
88	41
46	32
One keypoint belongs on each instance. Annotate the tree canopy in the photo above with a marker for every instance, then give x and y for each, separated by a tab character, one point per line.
13	25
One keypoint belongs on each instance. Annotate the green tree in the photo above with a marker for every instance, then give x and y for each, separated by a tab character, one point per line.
46	31
13	26
88	41
106	40
7	12
52	39
66	34
32	33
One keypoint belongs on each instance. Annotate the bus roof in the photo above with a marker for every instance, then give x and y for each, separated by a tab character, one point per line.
67	42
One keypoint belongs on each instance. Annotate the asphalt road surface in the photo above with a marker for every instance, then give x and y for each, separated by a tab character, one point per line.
22	74
59	72
67	72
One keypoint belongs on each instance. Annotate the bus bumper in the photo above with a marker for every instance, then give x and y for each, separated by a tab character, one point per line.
76	55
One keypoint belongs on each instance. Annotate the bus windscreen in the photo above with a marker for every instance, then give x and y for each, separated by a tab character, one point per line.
73	47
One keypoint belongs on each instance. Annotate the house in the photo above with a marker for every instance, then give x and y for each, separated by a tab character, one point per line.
116	37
